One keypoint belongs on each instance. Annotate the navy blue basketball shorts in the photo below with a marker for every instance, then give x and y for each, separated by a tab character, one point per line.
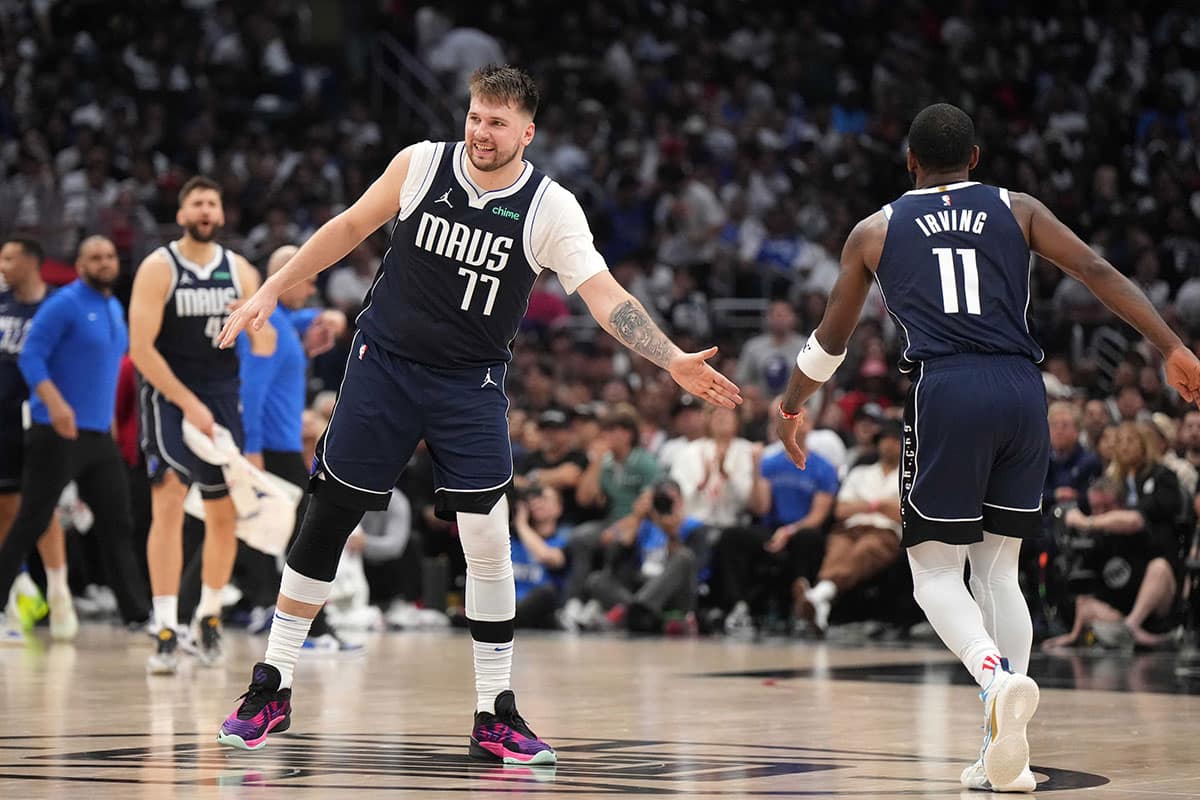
386	405
12	455
162	438
976	450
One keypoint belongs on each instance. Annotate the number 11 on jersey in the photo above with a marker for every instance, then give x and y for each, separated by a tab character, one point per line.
945	257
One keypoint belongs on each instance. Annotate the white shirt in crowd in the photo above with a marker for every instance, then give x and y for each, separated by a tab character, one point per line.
713	496
870	483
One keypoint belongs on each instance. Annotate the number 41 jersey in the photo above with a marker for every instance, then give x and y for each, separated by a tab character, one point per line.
455	282
955	273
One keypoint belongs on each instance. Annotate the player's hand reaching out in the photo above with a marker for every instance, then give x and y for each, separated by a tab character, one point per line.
793	434
252	315
1183	372
691	372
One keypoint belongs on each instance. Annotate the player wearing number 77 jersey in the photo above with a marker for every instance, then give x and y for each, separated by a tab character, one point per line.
472	225
952	260
181	295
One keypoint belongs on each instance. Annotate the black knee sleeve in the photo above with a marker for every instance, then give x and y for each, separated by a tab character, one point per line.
323	533
495	632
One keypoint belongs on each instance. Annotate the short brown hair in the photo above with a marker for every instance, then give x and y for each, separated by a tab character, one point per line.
197	182
507	84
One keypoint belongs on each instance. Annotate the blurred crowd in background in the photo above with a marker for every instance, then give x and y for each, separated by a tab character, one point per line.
722	154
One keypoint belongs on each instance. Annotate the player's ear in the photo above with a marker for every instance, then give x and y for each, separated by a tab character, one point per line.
527	136
179	216
974	158
912	160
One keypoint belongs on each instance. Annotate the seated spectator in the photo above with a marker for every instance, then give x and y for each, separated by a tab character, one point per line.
866	539
556	463
794	506
864	432
1135	513
539	556
391	553
687	425
650	567
716	473
1072	466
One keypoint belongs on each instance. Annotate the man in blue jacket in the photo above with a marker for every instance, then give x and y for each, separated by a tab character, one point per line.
70	361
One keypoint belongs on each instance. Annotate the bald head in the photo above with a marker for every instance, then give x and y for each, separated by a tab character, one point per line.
296	295
97	262
280	258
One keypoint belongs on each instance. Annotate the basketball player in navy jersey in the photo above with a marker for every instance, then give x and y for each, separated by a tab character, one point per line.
952	260
181	296
473	224
20	267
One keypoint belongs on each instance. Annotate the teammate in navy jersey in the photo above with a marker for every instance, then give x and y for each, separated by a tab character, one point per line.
472	226
181	296
20	267
952	260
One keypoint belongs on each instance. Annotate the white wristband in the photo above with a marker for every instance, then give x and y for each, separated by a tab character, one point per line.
814	362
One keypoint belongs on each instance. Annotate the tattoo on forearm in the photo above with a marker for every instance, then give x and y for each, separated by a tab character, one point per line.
638	332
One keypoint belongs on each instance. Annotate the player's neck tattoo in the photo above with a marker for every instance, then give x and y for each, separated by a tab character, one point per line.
638	332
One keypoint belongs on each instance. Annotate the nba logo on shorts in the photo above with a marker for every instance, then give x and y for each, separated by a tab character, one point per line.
362	351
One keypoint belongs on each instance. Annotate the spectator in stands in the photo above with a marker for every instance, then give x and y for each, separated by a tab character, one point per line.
539	556
766	360
715	473
556	463
866	537
1072	466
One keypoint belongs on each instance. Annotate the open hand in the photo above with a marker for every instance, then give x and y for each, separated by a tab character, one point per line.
251	314
691	372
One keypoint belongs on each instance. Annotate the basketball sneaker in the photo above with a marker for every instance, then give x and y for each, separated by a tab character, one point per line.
1009	702
64	623
506	737
164	661
208	639
263	709
10	632
26	601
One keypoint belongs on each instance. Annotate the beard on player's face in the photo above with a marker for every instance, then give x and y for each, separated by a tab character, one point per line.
201	232
498	159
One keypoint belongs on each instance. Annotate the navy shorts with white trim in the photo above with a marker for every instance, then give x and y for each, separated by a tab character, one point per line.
976	450
162	438
387	404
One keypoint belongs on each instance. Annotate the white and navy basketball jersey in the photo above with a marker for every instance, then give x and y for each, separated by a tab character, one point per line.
954	273
455	281
15	319
195	312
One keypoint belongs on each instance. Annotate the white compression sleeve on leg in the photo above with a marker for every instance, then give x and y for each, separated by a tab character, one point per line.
303	589
938	585
994	571
491	594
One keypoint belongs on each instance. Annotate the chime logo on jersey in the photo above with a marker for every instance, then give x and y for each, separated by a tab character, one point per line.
204	302
462	243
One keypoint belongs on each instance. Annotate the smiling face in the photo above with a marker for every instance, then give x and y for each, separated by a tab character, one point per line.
496	133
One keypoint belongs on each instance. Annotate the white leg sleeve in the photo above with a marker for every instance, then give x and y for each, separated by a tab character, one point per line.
941	592
491	594
997	592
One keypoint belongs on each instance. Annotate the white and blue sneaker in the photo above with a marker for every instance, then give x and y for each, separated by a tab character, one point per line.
1009	702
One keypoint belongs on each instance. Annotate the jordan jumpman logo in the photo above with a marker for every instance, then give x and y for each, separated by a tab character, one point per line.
487	380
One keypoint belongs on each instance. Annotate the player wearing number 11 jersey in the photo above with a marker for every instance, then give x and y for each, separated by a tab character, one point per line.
952	258
472	225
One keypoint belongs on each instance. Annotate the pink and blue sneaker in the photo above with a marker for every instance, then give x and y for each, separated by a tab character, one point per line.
506	737
263	708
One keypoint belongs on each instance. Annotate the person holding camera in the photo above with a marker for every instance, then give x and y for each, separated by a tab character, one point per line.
651	568
539	555
1135	509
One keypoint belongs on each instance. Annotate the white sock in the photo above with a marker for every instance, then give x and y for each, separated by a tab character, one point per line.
493	671
287	636
210	602
56	582
166	611
823	592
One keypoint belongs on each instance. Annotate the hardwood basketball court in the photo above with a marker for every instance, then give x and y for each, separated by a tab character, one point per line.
629	717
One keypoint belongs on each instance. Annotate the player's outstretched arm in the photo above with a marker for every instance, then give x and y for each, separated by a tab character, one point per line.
332	241
619	313
826	348
1051	239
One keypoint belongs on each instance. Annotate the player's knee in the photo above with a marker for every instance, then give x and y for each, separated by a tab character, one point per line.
486	544
323	533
